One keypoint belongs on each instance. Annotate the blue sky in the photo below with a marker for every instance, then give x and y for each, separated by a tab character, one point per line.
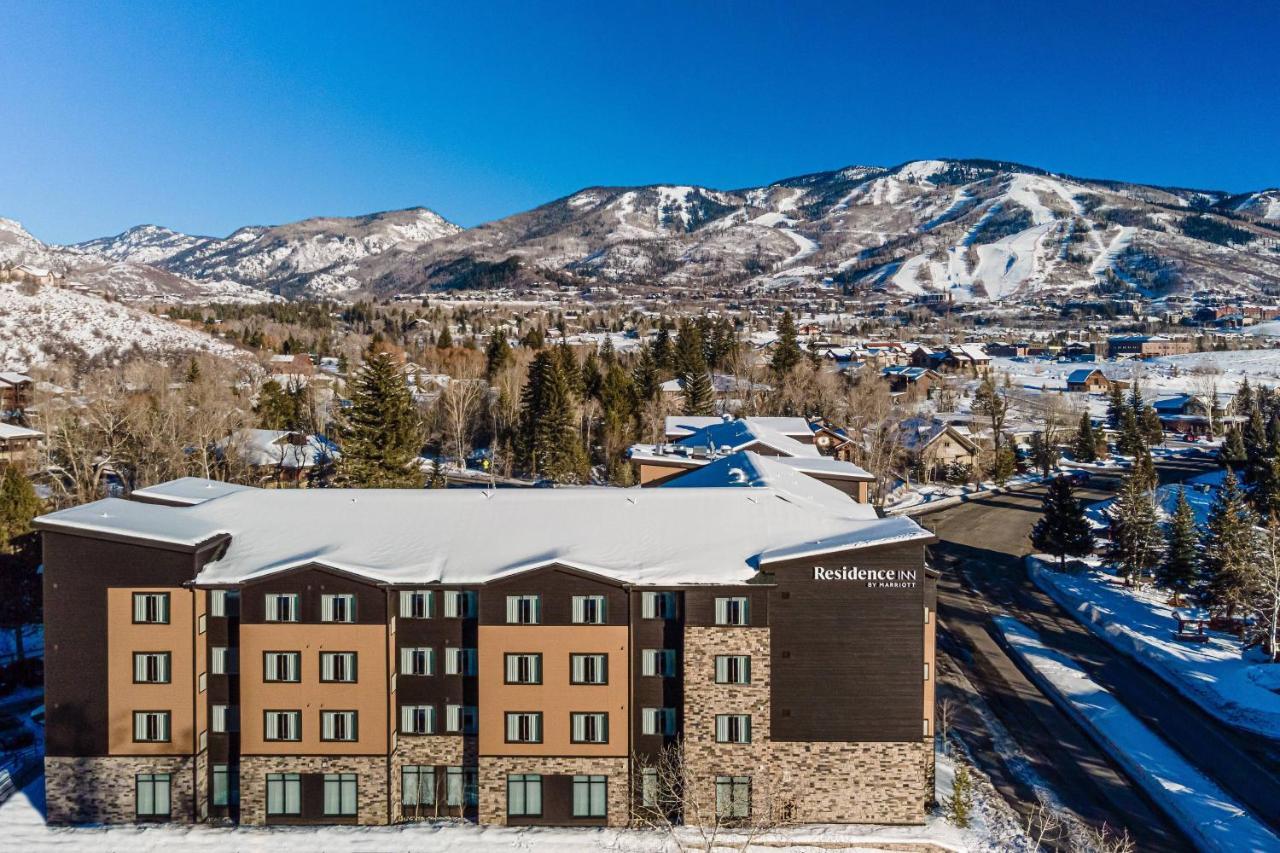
208	116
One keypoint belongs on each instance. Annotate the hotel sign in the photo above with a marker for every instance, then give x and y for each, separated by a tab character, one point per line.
873	578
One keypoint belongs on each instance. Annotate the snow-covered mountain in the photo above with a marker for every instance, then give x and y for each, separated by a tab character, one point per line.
142	244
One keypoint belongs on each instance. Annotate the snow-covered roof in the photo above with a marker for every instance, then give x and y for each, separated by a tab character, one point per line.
8	377
743	432
274	447
919	433
777	472
639	536
1082	374
678	426
189	490
9	431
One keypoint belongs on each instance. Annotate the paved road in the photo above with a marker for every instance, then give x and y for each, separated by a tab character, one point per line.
980	553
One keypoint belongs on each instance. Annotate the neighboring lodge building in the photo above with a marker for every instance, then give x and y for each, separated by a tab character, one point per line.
218	652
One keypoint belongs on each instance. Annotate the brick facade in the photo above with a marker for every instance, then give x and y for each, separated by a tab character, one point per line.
495	769
431	750
102	789
371	807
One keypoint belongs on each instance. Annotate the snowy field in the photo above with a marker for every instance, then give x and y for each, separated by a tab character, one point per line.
1140	623
1200	808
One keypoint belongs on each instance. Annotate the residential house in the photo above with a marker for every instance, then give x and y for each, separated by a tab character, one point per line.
19	447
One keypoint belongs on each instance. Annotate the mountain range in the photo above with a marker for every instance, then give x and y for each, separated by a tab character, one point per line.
972	230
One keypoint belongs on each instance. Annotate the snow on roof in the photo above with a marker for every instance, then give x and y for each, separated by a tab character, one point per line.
274	447
682	425
641	536
737	434
8	431
9	377
189	490
747	469
1081	374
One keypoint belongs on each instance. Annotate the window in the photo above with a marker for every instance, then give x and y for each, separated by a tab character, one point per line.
152	797
340	794
223	719
926	670
415	604
202	624
658	721
202	742
926	727
733	669
588	669
338	666
151	726
733	611
151	607
733	796
151	667
589	728
459	604
524	609
926	616
460	786
417	719
524	727
338	608
588	610
282	607
658	662
733	728
418	660
459	661
524	669
223	602
524	795
283	725
649	788
222	660
460	719
203	681
225	786
658	605
338	725
284	794
590	796
281	666
417	785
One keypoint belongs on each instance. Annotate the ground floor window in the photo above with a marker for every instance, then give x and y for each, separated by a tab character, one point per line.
524	795
461	787
284	794
340	794
590	796
418	786
733	796
153	795
649	788
225	789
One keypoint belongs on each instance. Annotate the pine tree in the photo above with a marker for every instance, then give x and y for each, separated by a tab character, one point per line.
1115	406
1264	491
1256	445
497	355
20	581
446	338
1150	426
1004	464
381	432
663	353
1044	454
1232	453
786	352
1228	548
193	372
1062	529
645	375
1181	565
1136	544
549	445
1130	441
19	504
695	379
437	480
1084	448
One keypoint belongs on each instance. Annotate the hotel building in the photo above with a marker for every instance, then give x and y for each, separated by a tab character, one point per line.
229	654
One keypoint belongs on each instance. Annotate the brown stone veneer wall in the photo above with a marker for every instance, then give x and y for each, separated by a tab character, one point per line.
101	789
495	769
371	790
819	782
433	750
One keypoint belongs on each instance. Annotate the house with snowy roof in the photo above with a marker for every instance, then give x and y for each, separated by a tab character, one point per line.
15	391
932	445
19	446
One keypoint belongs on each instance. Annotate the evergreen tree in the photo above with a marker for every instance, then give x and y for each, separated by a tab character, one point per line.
20	581
445	340
1115	406
1228	548
1130	441
1144	470
497	355
381	432
570	370
534	339
1232	453
1264	491
1136	543
786	352
1180	567
663	353
436	480
1044	454
1062	529
193	371
1004	464
1256	445
695	378
592	378
607	352
549	445
19	504
645	375
1084	448
1151	428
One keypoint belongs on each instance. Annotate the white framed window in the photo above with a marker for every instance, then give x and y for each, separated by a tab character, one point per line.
733	797
592	727
151	667
524	609
523	668
926	615
338	725
733	728
658	721
658	605
225	786
222	660
589	669
461	786
524	795
418	785
151	795
590	796
417	660
460	719
417	719
589	610
203	681
284	794
524	727
338	666
222	602
660	662
223	719
459	604
416	604
151	726
733	611
283	725
733	669
151	608
340	794
282	607
649	788
926	670
202	624
338	608
281	666
459	661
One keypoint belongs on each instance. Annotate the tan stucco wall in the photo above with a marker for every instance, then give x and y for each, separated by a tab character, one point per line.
556	698
651	474
124	697
368	696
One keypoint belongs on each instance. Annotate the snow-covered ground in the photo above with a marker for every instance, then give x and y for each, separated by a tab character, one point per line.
1242	692
1201	809
912	496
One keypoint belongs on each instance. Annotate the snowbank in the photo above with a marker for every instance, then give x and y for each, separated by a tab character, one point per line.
1140	624
1200	808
